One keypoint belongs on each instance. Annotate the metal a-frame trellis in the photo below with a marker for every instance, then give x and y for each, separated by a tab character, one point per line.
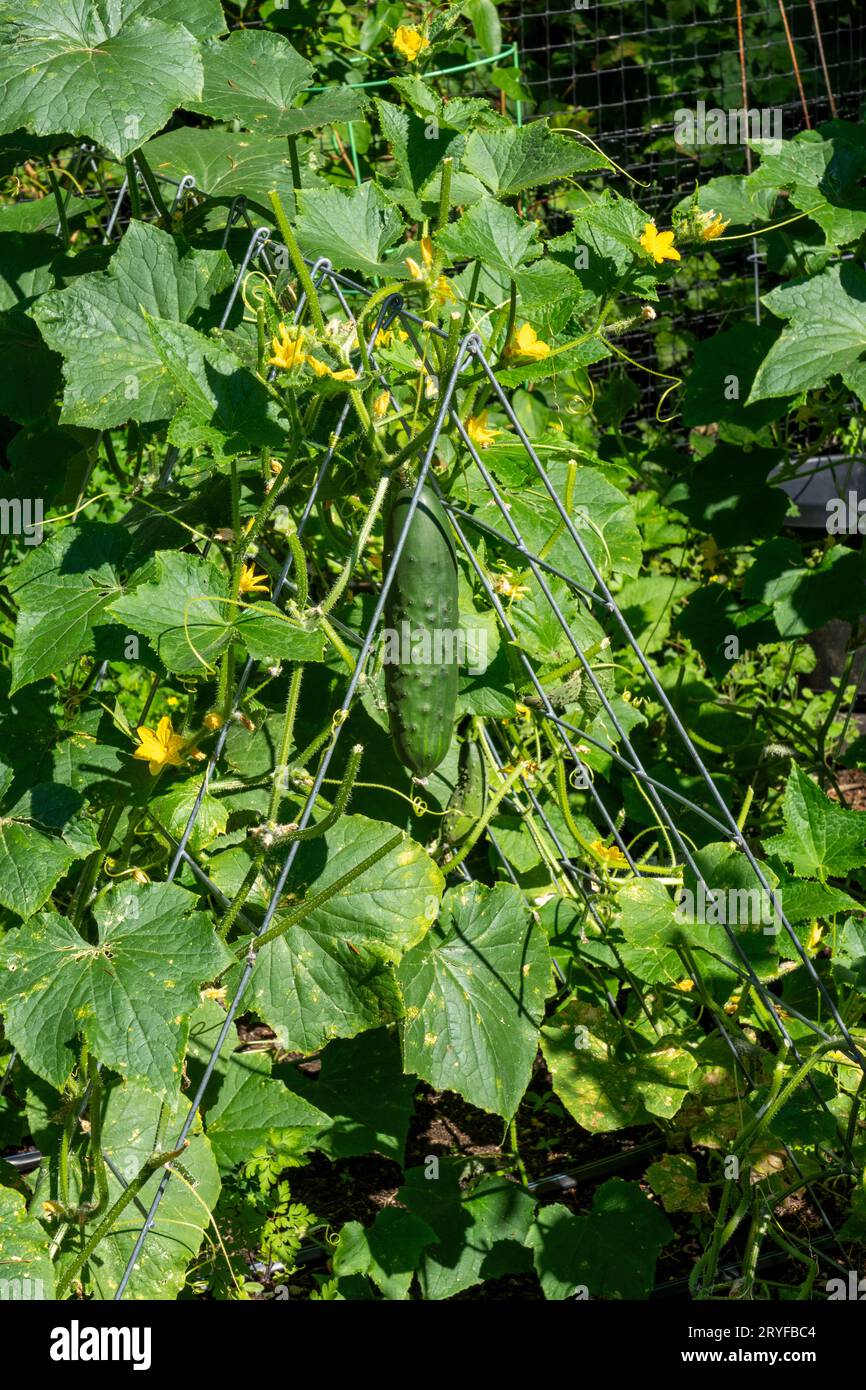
665	801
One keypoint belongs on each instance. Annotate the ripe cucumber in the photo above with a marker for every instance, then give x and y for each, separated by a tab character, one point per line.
466	805
421	684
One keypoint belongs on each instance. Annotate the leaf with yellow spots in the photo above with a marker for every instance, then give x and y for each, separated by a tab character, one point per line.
474	992
129	992
603	1088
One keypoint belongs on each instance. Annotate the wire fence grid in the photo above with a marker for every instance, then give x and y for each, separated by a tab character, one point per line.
625	68
667	802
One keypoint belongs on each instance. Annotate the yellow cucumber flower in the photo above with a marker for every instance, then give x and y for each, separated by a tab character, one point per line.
660	245
160	747
481	435
381	404
609	854
288	348
712	224
442	291
527	344
254	582
410	42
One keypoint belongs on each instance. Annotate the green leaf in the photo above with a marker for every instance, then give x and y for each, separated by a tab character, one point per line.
362	1089
820	839
127	993
802	598
113	371
388	1252
332	974
354	230
226	166
180	602
602	1090
481	1229
107	71
40	837
62	588
226	406
651	933
675	1180
712	615
25	1260
173	810
602	515
252	77
252	1111
418	145
474	992
484	18
727	494
135	1124
612	1252
826	331
493	234
514	158
722	374
29	373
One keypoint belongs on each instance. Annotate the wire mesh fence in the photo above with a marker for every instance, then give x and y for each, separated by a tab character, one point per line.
626	72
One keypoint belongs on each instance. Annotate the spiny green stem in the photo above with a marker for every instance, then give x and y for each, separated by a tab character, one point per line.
319	899
291	714
270	836
363	536
297	259
148	1168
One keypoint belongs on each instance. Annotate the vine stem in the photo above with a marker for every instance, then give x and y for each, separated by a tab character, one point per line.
319	899
291	714
148	1168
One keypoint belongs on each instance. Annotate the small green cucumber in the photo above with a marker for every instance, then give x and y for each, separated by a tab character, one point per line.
422	638
466	806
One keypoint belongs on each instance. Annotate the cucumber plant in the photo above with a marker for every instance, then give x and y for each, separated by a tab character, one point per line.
228	817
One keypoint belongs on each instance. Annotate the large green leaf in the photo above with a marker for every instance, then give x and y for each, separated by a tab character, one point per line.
135	1124
722	372
180	602
62	588
481	1229
820	838
363	1091
127	993
418	145
254	77
825	334
388	1252
611	1252
512	159
354	230
253	1111
225	406
474	992
601	514
110	70
40	837
113	370
332	974
226	165
601	1087
494	235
